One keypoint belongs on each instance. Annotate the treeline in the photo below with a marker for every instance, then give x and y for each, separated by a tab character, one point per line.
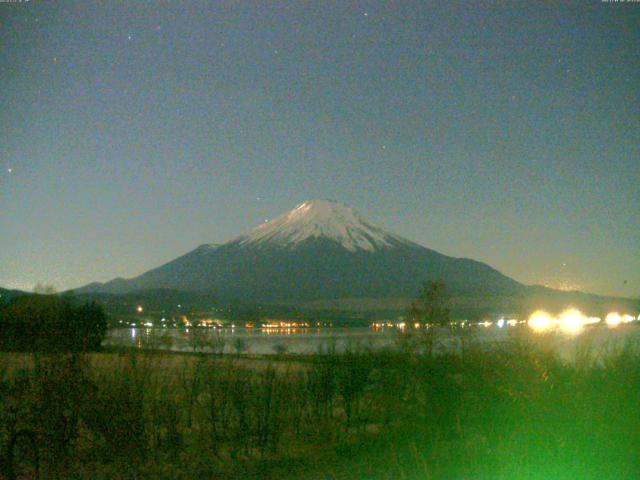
51	323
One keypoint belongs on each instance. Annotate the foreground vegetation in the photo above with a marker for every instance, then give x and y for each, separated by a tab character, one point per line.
509	411
51	323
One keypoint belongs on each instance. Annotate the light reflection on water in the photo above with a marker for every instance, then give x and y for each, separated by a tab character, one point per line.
314	340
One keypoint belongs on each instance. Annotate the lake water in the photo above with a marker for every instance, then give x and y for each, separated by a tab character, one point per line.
308	341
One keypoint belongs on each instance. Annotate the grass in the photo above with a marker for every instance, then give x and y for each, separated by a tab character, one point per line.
515	410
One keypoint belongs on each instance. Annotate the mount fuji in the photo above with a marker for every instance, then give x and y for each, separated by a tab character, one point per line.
320	250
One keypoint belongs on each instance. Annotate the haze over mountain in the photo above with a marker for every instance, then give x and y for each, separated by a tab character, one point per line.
320	250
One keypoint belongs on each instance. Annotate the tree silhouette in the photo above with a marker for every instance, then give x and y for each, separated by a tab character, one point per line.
430	306
51	323
426	315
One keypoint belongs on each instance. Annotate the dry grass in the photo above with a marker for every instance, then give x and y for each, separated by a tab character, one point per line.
513	411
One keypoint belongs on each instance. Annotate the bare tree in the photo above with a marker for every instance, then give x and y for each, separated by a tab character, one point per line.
427	315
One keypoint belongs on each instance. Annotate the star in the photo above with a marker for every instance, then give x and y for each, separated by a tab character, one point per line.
10	170
129	37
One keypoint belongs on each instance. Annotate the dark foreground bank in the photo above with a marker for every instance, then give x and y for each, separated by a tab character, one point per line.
510	411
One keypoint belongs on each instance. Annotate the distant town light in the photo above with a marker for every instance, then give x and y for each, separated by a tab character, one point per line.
139	309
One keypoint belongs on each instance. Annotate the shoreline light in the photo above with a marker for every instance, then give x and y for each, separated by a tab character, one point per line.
572	321
626	318
613	319
540	321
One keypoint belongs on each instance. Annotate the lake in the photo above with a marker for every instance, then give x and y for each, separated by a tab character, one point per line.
258	341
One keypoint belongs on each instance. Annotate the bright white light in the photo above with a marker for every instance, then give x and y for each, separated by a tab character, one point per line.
571	321
626	318
613	319
592	320
500	323
540	321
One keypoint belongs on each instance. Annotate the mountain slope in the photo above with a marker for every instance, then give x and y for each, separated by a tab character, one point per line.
319	250
6	295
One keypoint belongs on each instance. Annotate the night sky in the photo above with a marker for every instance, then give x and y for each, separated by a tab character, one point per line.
508	132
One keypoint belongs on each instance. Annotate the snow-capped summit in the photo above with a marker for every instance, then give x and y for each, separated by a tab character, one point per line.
321	219
320	250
